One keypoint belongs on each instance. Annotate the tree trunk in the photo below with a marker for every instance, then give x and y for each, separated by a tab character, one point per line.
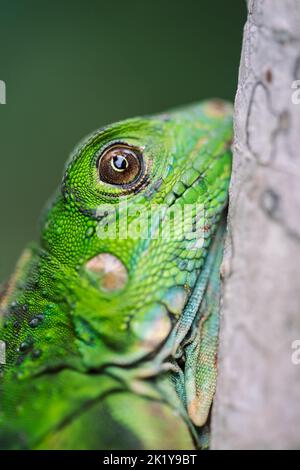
257	403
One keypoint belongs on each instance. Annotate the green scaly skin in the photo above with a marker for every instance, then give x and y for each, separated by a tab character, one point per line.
133	367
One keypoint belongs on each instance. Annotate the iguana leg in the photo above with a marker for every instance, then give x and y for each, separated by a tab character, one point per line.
201	352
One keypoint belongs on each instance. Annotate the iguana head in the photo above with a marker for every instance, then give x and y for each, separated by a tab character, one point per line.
138	205
115	280
122	243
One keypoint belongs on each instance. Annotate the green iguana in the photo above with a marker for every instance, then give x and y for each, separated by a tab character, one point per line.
110	322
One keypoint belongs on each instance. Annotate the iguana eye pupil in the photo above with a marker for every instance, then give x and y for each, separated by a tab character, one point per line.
120	165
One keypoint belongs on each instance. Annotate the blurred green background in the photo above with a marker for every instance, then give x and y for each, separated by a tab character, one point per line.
73	66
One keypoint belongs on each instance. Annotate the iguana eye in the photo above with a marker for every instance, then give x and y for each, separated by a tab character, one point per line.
120	164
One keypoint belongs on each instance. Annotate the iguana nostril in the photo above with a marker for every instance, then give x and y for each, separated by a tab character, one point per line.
111	271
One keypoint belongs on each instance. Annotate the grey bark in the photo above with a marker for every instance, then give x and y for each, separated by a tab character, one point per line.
257	402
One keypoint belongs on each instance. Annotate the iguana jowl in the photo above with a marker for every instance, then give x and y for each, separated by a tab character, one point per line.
111	324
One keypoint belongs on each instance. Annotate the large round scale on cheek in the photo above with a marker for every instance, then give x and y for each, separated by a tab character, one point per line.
112	273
